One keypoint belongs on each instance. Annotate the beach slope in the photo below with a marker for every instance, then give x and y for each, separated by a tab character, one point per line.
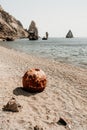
65	95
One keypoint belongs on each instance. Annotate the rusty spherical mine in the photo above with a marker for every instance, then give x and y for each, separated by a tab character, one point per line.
34	80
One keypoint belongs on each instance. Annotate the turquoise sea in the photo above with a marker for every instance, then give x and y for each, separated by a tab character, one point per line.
73	51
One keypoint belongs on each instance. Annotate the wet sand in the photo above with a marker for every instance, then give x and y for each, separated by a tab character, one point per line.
65	95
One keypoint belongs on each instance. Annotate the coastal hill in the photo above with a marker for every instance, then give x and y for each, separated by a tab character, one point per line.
10	28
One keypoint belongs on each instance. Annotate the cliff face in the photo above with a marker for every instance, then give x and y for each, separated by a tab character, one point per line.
10	27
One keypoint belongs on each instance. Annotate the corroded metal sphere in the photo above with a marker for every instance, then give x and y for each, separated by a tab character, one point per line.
34	80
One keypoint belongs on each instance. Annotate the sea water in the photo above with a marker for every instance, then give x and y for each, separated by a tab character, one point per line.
72	50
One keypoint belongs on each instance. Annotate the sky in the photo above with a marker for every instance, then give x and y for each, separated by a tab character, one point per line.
56	17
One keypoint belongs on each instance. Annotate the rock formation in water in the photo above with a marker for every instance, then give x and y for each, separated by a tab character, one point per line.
33	31
69	34
10	28
46	37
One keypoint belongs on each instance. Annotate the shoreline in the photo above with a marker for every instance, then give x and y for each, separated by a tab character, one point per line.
79	61
65	95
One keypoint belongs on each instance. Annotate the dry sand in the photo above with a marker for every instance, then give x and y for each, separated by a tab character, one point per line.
65	95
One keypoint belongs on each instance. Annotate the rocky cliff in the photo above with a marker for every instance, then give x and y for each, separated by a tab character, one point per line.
10	28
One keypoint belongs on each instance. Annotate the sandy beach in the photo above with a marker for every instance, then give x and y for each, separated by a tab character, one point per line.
65	95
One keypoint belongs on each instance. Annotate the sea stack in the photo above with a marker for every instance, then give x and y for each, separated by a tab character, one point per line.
69	34
33	31
45	38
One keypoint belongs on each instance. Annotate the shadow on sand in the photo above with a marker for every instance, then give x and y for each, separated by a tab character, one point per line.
20	91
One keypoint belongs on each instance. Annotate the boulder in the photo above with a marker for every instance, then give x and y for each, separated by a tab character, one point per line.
9	39
69	34
33	31
34	80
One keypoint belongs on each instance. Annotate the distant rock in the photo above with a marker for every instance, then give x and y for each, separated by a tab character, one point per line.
33	31
10	28
69	34
46	37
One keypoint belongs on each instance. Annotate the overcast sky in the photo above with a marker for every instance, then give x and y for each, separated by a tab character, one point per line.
54	16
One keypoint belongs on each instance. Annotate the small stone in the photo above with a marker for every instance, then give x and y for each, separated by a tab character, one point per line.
62	122
37	128
12	105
